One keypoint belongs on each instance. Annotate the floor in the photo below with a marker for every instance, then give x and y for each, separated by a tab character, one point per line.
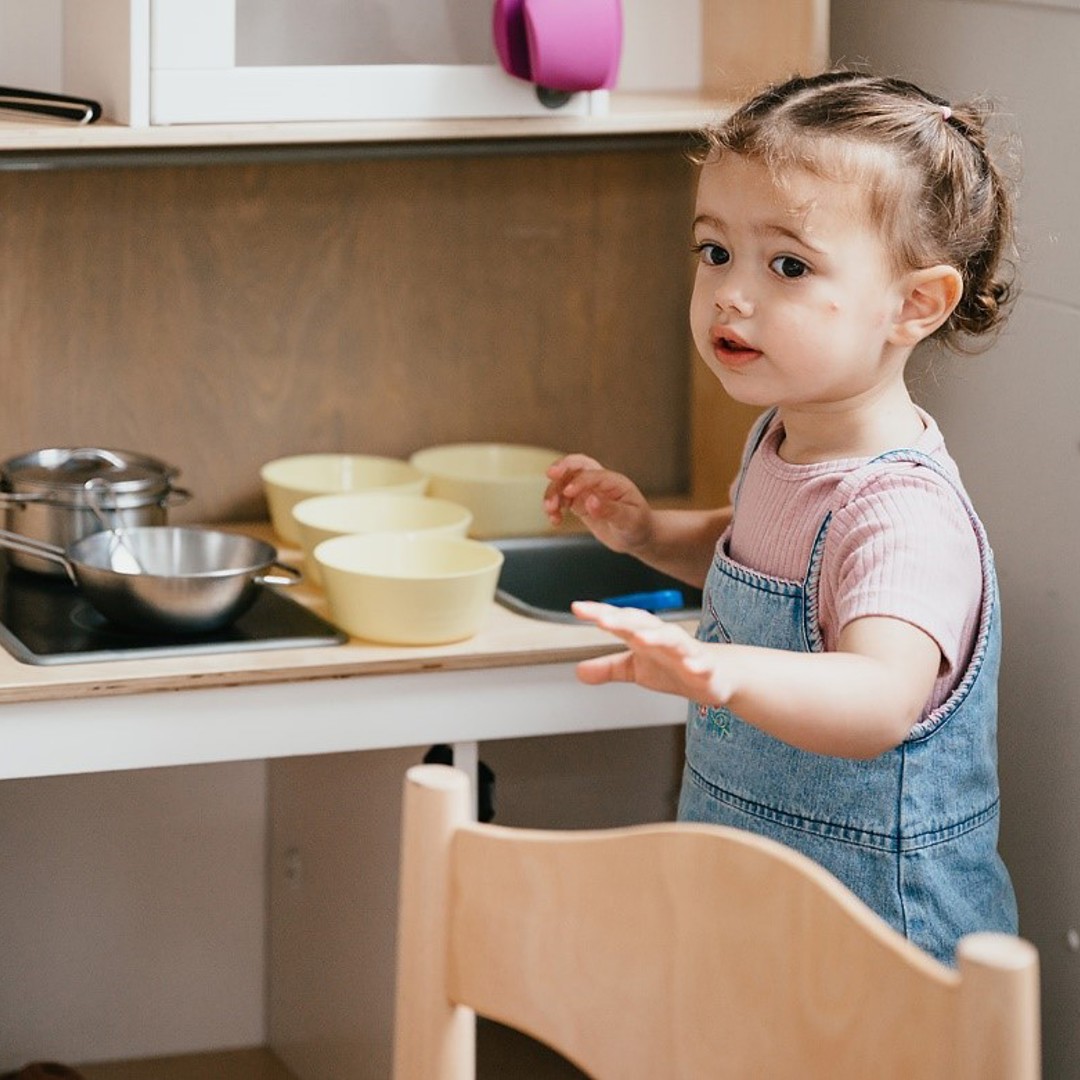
501	1053
256	1064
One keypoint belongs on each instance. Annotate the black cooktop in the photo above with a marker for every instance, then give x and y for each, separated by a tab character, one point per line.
45	620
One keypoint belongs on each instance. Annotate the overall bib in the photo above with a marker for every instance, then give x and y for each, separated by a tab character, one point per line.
912	832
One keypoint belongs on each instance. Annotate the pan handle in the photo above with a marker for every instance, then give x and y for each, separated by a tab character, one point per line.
18	542
291	575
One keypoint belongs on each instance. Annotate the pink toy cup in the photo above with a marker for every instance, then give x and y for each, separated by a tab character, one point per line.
566	45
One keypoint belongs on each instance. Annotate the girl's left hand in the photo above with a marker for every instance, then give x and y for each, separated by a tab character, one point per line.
661	655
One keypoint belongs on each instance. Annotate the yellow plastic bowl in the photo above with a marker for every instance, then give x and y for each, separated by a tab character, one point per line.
288	480
408	589
326	516
502	484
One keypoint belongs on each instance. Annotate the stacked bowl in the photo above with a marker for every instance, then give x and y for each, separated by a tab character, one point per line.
409	588
325	517
501	484
289	480
397	546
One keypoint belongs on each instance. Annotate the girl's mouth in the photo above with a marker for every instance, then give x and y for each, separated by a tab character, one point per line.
730	349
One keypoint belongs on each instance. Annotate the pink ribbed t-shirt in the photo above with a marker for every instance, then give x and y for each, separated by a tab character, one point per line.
900	543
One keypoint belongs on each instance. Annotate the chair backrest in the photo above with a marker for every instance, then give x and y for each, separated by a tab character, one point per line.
680	951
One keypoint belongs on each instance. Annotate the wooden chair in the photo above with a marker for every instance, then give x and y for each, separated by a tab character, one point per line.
680	951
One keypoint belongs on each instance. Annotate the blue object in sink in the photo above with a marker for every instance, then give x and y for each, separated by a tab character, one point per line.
656	601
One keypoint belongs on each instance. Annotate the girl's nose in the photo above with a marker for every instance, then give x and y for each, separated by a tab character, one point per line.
731	298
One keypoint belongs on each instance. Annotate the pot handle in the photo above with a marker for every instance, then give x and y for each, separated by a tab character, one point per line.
182	496
175	496
18	542
95	453
291	575
17	498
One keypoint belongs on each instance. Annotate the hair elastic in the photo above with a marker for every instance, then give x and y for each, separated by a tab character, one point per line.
946	112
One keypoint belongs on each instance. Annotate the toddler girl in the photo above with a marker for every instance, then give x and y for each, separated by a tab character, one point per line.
843	682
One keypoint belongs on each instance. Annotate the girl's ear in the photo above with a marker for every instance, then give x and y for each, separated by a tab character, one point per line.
929	297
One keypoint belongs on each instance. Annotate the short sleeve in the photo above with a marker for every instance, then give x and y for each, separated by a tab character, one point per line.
903	546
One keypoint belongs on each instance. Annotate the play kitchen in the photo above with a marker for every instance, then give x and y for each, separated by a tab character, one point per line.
405	553
401	550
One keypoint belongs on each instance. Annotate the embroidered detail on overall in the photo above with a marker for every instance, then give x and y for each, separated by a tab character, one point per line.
913	832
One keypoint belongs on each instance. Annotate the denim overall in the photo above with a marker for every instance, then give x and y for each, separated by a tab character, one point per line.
912	832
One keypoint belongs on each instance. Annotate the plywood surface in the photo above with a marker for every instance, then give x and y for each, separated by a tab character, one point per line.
219	316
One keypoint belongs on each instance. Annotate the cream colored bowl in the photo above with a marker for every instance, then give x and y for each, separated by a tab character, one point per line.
288	480
326	516
502	484
408	589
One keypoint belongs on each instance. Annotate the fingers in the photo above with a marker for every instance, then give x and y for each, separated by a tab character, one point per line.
610	504
660	655
605	669
565	484
572	463
634	625
621	620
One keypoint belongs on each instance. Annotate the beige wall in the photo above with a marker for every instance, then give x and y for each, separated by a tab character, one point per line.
1012	419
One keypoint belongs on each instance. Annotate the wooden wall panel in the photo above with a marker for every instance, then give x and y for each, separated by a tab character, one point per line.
222	315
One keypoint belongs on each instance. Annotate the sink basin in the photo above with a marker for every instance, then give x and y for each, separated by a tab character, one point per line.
541	575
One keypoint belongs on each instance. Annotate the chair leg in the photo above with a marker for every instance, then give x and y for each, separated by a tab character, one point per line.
434	1039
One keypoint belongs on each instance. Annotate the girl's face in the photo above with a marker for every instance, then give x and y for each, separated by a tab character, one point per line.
794	301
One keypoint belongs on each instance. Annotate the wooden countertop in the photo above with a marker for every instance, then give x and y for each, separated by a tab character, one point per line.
506	639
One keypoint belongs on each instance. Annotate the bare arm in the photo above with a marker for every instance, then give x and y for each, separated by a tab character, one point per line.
856	702
682	542
678	542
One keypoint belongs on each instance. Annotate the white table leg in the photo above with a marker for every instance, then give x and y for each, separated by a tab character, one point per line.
467	758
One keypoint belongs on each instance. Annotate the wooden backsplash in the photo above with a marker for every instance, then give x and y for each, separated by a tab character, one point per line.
218	316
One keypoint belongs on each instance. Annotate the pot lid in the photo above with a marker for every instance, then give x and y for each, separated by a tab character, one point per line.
69	469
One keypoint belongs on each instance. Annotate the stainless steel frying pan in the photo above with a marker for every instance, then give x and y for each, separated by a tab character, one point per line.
166	578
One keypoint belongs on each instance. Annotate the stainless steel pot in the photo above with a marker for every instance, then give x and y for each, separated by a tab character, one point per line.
62	494
165	578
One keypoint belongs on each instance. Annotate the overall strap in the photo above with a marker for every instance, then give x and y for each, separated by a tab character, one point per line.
753	441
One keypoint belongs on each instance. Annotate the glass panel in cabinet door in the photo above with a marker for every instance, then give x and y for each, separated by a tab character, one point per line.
271	33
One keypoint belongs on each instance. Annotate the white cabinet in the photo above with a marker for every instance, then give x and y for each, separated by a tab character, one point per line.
234	61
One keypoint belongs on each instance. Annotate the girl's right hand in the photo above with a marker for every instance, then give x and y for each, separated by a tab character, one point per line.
610	505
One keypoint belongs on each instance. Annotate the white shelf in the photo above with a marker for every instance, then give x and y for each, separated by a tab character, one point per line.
23	138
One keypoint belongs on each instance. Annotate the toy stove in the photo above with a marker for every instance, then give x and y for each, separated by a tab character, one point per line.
45	620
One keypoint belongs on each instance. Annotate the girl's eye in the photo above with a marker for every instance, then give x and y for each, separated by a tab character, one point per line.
788	266
712	254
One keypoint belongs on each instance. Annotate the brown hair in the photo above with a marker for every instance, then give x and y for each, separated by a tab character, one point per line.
947	203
